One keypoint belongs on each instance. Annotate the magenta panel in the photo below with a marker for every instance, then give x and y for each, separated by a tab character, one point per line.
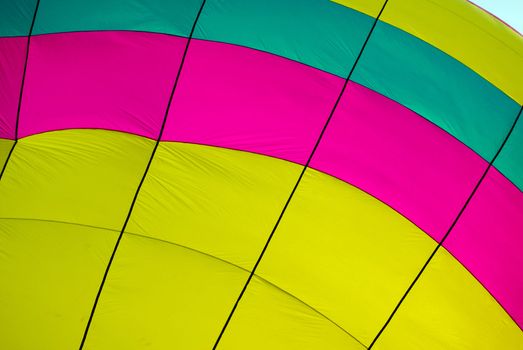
399	157
12	61
109	80
240	98
488	241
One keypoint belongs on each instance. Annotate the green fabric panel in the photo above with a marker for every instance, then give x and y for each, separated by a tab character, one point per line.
438	87
161	16
510	160
320	33
16	17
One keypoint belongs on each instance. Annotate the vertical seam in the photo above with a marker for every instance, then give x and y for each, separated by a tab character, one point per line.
298	182
448	231
20	97
104	278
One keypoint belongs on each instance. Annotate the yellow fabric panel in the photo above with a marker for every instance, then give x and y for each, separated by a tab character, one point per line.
344	253
449	309
5	148
269	318
463	31
218	201
49	276
161	296
80	176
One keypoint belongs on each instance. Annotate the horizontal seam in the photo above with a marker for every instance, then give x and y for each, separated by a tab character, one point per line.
198	252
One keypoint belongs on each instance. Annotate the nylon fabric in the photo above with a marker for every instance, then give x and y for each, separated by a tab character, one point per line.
217	201
151	300
320	34
469	34
109	80
239	98
344	253
510	160
49	275
269	318
16	17
448	309
5	148
400	158
487	240
437	87
12	60
68	174
161	16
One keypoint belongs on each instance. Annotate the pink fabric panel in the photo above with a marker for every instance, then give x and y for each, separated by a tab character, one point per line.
108	80
12	60
488	241
399	157
240	98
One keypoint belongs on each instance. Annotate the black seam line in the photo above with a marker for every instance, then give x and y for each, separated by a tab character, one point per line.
104	278
20	97
8	157
318	170
163	241
247	271
298	181
294	60
440	244
267	155
280	159
291	60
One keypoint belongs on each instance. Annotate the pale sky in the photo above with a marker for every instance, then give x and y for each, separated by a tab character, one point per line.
510	11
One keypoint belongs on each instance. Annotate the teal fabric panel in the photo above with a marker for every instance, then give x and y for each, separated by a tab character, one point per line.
438	87
320	33
510	160
16	17
159	16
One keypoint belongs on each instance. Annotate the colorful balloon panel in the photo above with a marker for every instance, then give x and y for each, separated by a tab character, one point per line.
462	31
235	174
69	84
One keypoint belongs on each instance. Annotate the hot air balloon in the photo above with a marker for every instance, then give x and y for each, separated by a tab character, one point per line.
277	174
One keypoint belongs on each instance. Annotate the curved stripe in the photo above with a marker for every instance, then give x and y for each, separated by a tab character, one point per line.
463	31
437	87
487	240
97	91
223	176
67	176
12	59
160	16
113	98
400	158
449	309
345	253
240	98
109	80
318	33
